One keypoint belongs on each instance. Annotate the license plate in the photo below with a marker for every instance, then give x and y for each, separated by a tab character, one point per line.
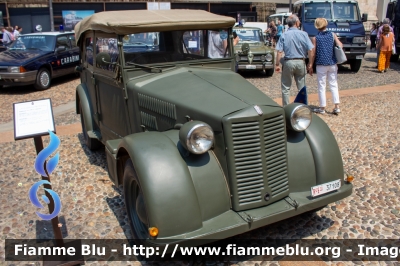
325	188
359	57
251	67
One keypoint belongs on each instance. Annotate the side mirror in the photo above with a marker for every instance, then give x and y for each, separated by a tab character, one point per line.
61	49
364	17
103	59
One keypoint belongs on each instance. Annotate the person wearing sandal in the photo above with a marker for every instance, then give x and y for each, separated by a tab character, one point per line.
326	64
385	45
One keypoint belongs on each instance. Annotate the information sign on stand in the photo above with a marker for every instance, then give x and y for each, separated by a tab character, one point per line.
33	119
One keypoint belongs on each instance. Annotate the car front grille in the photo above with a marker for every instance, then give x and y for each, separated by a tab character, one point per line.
257	161
3	69
255	58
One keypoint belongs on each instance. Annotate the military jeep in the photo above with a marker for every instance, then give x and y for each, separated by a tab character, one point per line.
252	52
200	152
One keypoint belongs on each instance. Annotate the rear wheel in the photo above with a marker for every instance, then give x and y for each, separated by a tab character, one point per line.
355	65
43	80
91	143
134	203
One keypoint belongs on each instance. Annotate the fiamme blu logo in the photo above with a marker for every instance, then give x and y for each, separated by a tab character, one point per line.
45	169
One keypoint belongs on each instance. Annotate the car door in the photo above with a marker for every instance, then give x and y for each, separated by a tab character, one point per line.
113	116
67	56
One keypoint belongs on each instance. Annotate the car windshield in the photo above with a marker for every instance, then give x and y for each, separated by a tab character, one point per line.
345	11
249	35
318	10
34	42
174	46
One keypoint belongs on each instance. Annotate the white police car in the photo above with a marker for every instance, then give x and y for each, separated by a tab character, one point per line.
36	58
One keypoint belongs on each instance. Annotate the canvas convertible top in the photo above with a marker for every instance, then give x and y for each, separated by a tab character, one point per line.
136	21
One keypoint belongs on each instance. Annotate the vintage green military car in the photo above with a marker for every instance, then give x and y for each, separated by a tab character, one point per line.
252	52
201	153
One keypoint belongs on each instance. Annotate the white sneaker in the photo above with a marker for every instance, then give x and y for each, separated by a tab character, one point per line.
336	110
319	111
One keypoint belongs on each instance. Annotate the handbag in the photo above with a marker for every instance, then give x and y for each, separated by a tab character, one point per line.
339	53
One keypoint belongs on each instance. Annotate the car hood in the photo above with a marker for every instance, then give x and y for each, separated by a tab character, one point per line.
201	94
19	57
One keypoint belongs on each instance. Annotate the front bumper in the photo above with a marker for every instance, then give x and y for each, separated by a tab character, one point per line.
232	223
355	51
255	66
16	79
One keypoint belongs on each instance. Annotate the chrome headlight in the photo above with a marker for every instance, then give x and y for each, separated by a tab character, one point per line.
269	57
197	137
262	58
298	116
14	69
358	39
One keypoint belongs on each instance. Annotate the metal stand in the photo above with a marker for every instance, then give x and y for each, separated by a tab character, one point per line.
76	260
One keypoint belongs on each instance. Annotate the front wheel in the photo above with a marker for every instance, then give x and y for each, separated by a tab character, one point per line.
134	203
269	72
355	65
43	80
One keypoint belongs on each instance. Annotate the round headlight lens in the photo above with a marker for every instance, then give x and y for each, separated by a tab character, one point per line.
200	138
301	118
263	58
268	57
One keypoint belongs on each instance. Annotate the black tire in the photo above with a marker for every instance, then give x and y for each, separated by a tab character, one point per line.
43	79
134	203
92	144
269	72
394	58
355	65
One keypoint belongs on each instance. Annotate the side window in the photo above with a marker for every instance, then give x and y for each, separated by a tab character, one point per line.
72	41
193	42
218	44
108	45
63	41
89	51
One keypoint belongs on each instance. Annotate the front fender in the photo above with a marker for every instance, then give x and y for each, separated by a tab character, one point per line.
82	97
181	190
313	156
168	190
327	157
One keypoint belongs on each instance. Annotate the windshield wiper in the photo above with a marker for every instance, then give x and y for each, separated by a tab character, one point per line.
158	70
32	48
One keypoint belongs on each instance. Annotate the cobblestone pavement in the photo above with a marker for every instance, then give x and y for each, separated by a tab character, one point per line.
63	89
366	131
367	76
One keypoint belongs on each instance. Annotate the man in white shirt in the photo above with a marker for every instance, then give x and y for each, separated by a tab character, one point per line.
16	32
217	44
7	39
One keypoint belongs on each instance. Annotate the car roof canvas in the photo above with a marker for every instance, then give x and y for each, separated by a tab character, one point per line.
135	21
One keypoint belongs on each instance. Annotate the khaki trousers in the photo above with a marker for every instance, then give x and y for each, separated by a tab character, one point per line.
290	69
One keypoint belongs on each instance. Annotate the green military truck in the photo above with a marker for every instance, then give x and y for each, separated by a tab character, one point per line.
200	152
252	53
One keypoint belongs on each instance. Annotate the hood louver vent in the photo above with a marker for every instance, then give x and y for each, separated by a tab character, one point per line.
158	106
